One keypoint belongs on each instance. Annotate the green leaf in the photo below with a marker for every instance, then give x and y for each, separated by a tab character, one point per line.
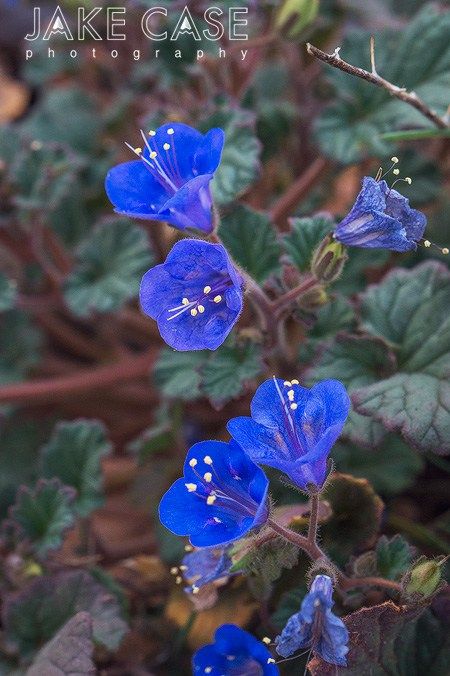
391	466
336	315
356	361
230	369
415	134
304	237
73	455
354	277
34	615
349	129
111	262
177	374
393	556
239	165
69	653
20	343
356	515
48	121
265	559
42	515
407	310
390	640
251	239
8	292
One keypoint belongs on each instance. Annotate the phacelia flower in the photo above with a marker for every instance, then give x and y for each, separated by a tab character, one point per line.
222	495
205	566
170	181
234	652
293	428
315	626
195	295
381	218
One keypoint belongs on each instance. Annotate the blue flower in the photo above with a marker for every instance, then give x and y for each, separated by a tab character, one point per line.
381	218
315	626
195	296
234	652
222	496
204	566
170	181
293	428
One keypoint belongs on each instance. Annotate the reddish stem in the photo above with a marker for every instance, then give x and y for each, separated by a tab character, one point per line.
289	200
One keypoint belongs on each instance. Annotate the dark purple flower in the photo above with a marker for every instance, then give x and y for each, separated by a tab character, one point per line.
381	218
204	566
170	181
315	626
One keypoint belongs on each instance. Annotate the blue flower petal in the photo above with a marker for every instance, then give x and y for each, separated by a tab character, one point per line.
235	652
190	206
133	191
207	158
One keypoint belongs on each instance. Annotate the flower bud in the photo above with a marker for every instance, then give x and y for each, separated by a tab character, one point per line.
295	15
424	578
328	260
313	299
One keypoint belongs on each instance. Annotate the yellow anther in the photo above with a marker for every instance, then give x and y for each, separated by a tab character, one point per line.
152	132
295	382
270	660
201	308
194	312
207	460
408	180
291	395
207	669
427	243
166	146
185	301
396	172
193	462
207	477
287	383
183	568
267	640
210	500
195	589
174	571
171	131
207	289
188	548
217	299
191	487
445	251
394	160
179	579
138	151
294	407
153	154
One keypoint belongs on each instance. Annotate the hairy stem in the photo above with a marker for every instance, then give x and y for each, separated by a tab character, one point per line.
410	98
311	548
287	299
289	200
313	518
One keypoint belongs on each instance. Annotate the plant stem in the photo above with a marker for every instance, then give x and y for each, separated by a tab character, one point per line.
313	518
410	98
311	548
286	300
289	200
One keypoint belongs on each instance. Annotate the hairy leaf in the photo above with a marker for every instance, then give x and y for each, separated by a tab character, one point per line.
111	262
250	238
240	158
32	616
304	237
73	455
356	361
406	310
177	374
69	653
229	370
20	343
42	515
393	556
8	290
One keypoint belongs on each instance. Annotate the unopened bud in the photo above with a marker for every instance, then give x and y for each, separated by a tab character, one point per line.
328	260
313	299
424	578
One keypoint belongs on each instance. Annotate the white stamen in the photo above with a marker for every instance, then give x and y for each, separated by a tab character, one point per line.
193	462
166	146
207	460
207	289
171	131
217	299
207	477
201	308
191	487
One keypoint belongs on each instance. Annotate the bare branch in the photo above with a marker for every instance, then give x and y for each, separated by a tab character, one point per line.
399	92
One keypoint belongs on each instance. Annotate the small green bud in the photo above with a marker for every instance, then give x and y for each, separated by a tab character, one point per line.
424	578
295	15
313	299
328	260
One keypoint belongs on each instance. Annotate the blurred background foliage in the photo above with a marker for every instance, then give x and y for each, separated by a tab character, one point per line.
96	414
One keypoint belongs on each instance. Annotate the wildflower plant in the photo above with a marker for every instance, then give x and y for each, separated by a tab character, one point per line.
258	318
